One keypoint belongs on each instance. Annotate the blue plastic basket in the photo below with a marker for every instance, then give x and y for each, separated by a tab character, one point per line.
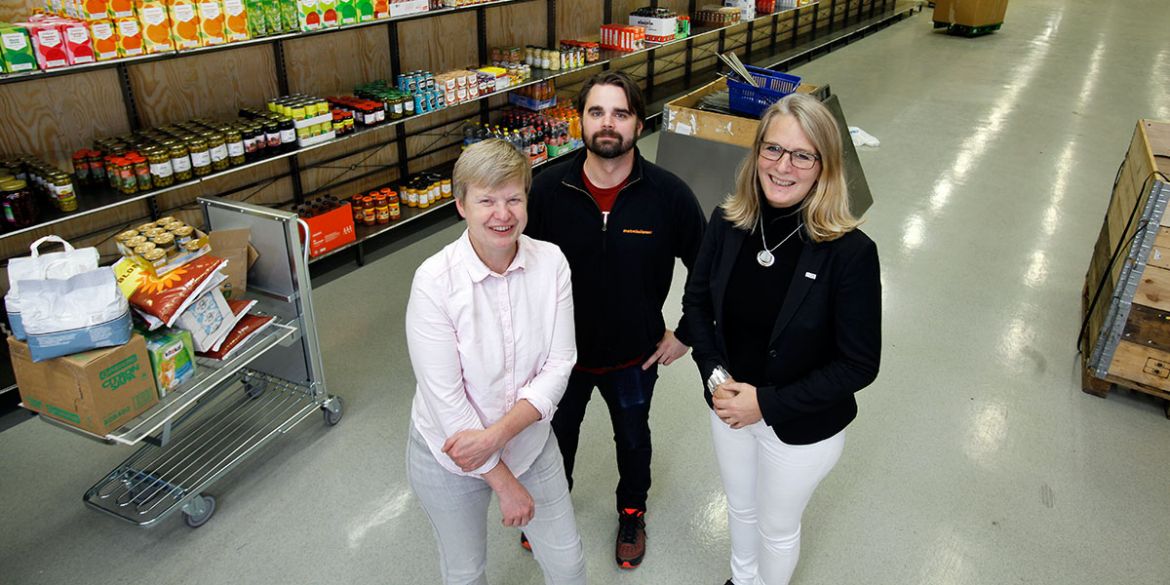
752	101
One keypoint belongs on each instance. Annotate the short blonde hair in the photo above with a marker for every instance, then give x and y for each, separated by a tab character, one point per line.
489	164
825	210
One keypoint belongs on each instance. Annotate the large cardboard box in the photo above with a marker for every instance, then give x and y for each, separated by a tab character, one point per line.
98	390
970	12
681	116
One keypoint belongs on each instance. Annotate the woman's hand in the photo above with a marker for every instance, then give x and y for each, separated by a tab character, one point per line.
470	449
516	505
736	404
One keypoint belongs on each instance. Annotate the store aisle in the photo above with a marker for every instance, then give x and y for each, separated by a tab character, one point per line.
975	459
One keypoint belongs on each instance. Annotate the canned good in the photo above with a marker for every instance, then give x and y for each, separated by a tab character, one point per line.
163	221
156	257
174	225
144	249
165	242
154	232
142	229
184	234
192	246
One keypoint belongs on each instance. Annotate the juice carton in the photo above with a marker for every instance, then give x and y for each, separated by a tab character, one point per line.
272	19
364	9
95	10
129	33
347	11
78	46
307	16
48	44
184	23
156	26
328	11
120	8
235	20
288	15
381	9
105	39
17	48
211	23
257	21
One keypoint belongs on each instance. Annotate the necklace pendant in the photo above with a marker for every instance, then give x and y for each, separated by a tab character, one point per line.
765	258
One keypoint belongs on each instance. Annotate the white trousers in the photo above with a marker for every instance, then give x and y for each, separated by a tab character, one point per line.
457	507
768	484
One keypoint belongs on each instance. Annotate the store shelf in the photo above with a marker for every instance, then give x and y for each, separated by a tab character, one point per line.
209	374
409	214
34	75
107	199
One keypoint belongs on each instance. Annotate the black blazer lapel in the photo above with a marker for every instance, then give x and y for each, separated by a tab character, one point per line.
723	268
812	258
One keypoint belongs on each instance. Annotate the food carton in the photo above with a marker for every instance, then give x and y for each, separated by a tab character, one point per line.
211	23
78	46
120	8
17	48
346	12
156	26
257	21
48	44
364	9
307	16
95	10
273	20
129	32
172	358
328	11
381	9
184	23
105	39
235	20
288	15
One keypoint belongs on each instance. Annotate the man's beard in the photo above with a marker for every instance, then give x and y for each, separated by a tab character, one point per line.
608	149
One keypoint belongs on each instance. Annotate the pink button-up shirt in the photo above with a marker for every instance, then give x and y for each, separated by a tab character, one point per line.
479	342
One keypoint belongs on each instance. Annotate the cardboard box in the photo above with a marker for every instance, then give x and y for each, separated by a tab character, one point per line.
970	12
156	26
330	230
184	23
233	245
105	39
235	23
98	391
172	358
681	117
17	48
211	23
130	43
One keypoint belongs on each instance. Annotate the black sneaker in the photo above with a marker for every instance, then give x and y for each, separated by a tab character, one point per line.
631	538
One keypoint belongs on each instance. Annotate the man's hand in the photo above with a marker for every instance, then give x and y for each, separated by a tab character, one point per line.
741	408
669	348
470	449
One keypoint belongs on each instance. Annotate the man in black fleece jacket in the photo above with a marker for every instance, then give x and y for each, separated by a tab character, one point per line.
621	221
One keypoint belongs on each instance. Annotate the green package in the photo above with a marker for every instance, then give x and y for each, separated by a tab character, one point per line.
272	16
365	10
257	26
347	12
172	358
288	15
16	48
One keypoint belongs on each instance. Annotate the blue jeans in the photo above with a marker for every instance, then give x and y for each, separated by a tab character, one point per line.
627	393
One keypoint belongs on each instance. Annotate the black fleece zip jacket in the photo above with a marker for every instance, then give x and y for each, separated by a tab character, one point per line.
622	263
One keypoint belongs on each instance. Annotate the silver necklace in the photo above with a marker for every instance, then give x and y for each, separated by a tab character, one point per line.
765	257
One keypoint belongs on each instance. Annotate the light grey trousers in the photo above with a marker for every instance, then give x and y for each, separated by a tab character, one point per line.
457	506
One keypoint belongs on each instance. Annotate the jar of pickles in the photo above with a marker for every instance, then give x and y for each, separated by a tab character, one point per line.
141	172
61	186
200	156
161	171
217	149
237	151
180	159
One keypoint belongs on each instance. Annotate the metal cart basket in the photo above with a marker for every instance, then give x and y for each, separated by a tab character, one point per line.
199	432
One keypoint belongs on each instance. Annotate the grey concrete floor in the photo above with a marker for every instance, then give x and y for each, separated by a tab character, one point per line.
975	459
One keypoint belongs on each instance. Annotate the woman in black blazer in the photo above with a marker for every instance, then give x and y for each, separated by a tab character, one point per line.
784	301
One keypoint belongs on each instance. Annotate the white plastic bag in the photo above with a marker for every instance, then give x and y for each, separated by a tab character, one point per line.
55	265
66	316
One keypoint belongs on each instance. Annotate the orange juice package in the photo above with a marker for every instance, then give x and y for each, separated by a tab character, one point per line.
95	10
129	33
235	20
120	8
156	27
105	39
184	23
211	23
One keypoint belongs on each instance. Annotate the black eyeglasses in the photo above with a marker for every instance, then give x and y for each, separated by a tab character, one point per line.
799	158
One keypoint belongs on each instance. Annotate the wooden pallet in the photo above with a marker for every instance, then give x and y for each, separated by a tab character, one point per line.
1125	340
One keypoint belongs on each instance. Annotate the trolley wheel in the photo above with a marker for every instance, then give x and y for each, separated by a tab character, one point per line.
333	410
199	510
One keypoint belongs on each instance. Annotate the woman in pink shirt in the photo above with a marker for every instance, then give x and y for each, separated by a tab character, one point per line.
489	326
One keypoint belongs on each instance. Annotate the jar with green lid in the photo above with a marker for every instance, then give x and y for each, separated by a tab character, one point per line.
200	156
235	145
217	148
161	172
180	159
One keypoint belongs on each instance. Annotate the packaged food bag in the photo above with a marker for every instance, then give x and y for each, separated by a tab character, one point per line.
248	328
165	297
208	318
37	266
79	313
